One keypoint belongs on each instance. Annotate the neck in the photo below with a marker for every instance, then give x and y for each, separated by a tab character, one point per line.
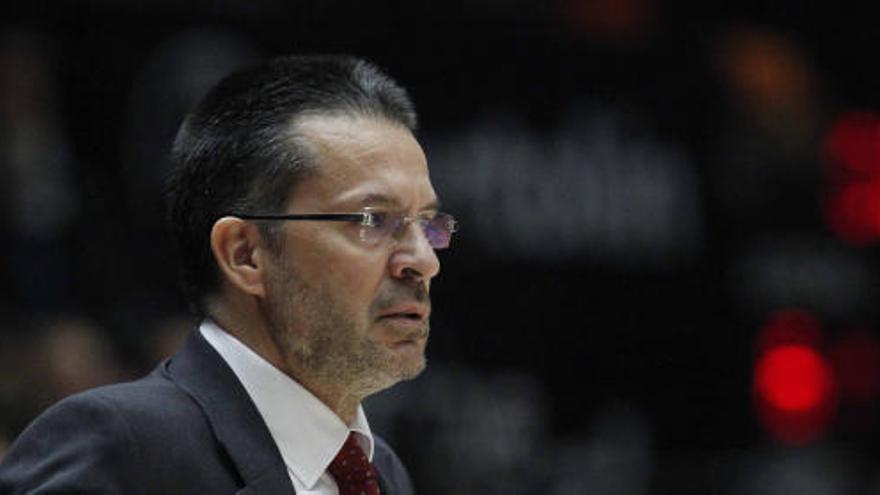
253	332
344	404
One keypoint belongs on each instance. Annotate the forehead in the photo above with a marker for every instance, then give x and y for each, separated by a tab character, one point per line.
361	161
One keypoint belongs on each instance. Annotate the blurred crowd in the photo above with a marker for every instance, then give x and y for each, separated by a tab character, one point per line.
60	322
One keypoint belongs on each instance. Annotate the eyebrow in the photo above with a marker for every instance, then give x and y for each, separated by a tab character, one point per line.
378	199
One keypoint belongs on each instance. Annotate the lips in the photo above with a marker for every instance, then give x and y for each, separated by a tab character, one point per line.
414	312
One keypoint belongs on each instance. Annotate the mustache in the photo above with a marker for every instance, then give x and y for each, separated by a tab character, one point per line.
401	293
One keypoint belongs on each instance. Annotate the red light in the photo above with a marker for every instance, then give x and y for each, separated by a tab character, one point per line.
853	212
852	149
793	378
853	142
794	385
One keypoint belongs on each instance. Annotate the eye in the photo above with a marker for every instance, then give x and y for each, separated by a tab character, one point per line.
378	219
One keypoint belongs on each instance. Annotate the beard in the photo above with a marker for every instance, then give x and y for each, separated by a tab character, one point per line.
323	340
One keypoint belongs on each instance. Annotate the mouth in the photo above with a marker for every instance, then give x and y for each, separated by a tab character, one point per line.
412	313
406	325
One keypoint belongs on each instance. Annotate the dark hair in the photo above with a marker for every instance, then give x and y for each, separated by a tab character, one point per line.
237	150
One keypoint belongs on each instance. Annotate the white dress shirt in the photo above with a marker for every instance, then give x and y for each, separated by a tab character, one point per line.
306	431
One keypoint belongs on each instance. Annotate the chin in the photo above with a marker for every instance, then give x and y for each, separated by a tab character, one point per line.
413	370
398	370
409	357
390	363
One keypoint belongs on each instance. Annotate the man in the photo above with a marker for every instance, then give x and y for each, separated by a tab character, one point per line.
308	226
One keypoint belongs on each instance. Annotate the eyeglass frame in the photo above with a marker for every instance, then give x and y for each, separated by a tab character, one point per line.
366	218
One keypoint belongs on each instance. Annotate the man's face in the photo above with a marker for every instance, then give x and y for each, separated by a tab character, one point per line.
347	314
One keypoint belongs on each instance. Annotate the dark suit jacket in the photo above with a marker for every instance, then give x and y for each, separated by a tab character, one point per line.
188	427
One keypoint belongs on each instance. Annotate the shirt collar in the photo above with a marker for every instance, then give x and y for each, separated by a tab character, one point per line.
307	432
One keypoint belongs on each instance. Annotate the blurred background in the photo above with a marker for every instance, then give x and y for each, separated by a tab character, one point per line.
667	271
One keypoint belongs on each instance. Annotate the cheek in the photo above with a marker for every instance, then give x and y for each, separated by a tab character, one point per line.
354	281
343	270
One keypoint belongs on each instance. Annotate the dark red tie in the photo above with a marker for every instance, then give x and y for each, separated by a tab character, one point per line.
352	471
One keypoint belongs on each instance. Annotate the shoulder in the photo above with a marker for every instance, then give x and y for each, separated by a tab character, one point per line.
138	408
151	399
99	441
80	444
391	468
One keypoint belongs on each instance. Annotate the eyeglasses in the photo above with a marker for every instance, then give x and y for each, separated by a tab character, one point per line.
378	226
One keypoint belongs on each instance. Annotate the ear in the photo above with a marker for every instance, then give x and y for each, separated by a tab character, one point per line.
240	254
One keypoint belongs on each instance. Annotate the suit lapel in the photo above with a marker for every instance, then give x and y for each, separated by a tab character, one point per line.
203	374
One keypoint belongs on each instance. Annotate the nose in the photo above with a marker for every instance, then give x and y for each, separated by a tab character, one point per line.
413	256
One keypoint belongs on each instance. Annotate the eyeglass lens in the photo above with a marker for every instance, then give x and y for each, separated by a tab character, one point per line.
438	229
